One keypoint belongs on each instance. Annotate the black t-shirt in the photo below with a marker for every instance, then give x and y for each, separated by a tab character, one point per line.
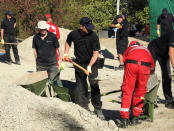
46	49
160	46
166	23
123	32
84	45
8	26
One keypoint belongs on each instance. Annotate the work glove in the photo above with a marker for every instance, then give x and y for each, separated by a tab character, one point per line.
62	66
117	25
115	29
89	69
2	41
66	58
158	33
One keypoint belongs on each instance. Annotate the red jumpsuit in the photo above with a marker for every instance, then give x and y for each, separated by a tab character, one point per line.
54	29
138	63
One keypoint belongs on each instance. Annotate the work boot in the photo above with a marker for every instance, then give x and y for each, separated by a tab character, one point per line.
99	114
9	62
169	104
135	121
123	123
18	62
120	67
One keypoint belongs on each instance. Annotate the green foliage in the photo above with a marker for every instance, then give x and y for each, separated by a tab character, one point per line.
67	13
143	16
101	12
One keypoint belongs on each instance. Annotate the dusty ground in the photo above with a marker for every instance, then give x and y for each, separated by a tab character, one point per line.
110	80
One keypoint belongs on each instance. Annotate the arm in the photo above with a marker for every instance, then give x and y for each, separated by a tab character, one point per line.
2	34
171	54
35	53
67	47
94	58
14	25
158	26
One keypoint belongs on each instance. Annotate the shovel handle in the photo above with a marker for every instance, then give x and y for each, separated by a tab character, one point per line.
78	66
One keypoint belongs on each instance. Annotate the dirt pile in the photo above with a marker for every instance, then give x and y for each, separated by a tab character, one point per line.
22	110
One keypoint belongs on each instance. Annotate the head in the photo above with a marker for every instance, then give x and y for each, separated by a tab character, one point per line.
124	15
119	18
164	12
48	18
134	43
9	15
86	25
42	27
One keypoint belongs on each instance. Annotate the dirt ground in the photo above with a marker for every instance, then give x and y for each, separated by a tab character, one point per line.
110	80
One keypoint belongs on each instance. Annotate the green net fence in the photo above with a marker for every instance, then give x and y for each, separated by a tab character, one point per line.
156	7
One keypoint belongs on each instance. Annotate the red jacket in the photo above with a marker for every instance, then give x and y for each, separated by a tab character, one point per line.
139	53
54	29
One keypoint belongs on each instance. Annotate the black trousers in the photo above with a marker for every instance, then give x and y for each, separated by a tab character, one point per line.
121	45
165	70
80	92
11	39
51	70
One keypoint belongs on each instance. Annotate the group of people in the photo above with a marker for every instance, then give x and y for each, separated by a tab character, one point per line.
137	60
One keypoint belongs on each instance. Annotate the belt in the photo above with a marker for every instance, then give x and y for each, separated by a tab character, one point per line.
136	62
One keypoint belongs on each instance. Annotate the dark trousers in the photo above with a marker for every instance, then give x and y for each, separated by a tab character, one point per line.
166	79
165	70
51	70
11	39
121	45
80	93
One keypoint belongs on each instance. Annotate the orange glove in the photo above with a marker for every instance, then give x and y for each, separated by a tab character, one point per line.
66	58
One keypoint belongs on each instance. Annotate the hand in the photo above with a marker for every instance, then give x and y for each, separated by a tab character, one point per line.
117	25
158	33
62	66
89	69
115	29
2	41
66	58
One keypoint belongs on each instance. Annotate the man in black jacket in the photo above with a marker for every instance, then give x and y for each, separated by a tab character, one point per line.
165	20
162	50
8	36
121	37
86	51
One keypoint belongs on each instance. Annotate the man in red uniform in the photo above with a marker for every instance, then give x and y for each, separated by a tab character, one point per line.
54	29
138	64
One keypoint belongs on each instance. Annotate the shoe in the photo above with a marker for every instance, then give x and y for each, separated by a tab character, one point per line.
123	123
121	67
169	104
18	63
135	121
9	62
99	114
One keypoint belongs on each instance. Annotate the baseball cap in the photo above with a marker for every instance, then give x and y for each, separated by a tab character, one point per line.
42	25
48	15
125	14
87	22
164	12
9	13
118	16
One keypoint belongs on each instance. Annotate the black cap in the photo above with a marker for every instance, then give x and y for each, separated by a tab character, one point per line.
125	14
164	12
9	13
87	22
118	16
